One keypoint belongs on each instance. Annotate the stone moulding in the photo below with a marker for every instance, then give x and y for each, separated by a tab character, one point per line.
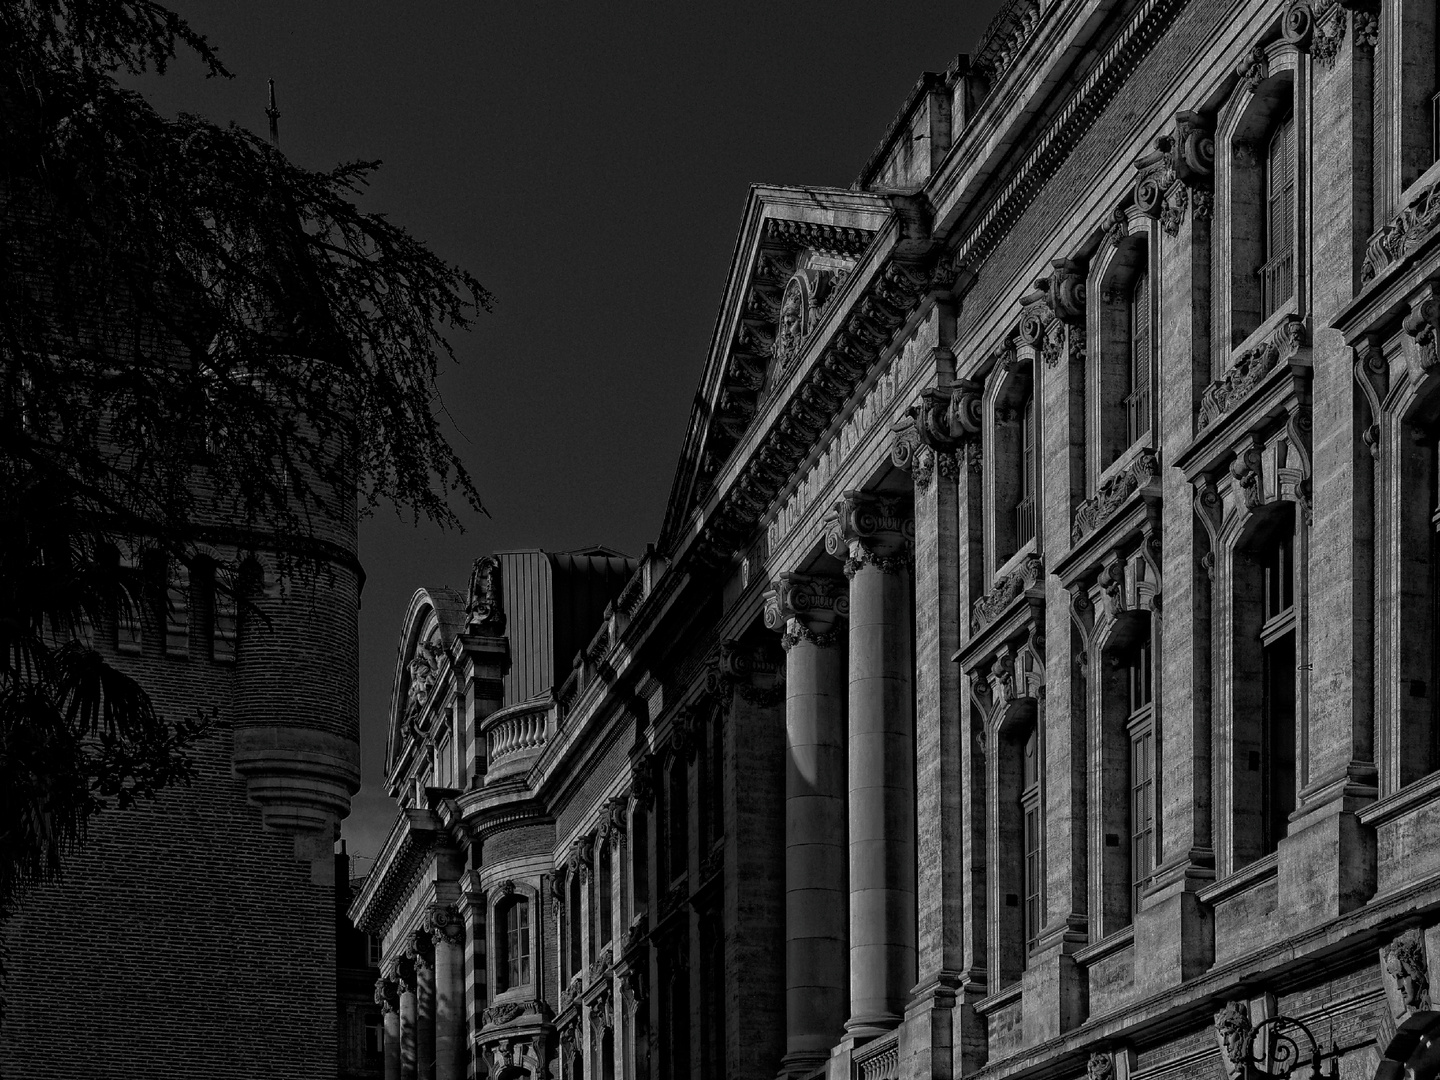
1143	471
993	604
860	339
1250	369
1403	233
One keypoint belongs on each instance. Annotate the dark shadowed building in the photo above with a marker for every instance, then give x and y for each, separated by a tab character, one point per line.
1035	675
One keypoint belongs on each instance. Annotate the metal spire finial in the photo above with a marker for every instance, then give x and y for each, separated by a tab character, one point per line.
274	114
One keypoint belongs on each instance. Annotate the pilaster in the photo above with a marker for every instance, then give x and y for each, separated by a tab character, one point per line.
1327	860
1174	937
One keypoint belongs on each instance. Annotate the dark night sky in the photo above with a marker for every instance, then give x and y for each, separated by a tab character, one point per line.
589	163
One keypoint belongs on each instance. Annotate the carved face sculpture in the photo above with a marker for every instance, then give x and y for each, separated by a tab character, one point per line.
792	320
1233	1024
1406	963
422	676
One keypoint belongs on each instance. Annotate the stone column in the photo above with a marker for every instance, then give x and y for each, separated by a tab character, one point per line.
388	998
874	534
424	1006
447	932
405	973
808	609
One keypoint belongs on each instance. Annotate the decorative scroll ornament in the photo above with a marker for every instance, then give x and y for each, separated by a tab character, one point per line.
1254	68
1250	370
1297	24
1143	472
642	782
990	606
868	529
1405	973
1177	172
445	925
935	430
1100	1067
806	607
485	604
1052	314
736	668
1403	233
1421	324
1233	1029
387	995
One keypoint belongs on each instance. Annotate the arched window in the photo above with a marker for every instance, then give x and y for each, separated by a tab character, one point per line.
512	944
1025	505
1137	388
1277	272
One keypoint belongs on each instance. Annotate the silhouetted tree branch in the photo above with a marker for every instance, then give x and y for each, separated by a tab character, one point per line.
198	339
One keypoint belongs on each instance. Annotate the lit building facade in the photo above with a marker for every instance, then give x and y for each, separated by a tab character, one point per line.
1035	675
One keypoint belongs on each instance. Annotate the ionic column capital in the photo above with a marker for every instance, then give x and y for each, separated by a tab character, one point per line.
806	607
387	995
866	528
444	925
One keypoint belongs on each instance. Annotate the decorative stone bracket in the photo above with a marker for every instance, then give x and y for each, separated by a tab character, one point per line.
1179	173
937	431
1052	314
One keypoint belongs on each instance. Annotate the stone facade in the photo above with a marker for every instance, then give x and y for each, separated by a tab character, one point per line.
1035	675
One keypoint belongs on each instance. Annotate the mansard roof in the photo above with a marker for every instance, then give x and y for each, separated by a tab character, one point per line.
797	262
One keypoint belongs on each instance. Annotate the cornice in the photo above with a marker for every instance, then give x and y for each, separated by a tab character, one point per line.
415	832
976	162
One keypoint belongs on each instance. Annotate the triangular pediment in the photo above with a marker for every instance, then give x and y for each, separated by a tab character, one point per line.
793	259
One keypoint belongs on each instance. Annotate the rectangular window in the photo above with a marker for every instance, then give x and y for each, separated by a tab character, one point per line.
1278	660
372	950
1141	726
1137	401
1030	816
1025	508
517	944
1277	273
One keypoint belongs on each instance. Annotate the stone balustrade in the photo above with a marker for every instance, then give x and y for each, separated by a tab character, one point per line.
515	736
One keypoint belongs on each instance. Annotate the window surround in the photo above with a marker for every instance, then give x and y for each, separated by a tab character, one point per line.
1279	87
502	897
1114	271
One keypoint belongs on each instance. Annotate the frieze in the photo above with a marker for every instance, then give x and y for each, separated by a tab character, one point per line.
1023	578
1250	369
1403	233
1142	472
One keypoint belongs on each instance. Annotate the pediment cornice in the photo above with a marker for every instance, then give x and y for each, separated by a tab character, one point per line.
728	478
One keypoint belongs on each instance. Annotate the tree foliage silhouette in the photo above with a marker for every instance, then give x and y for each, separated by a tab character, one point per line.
201	344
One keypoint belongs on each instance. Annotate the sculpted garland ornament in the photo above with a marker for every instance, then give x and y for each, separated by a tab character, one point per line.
1228	391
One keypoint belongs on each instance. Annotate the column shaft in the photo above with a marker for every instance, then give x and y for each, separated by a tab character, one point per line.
408	1060
392	1045
881	798
425	1017
449	1006
816	965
